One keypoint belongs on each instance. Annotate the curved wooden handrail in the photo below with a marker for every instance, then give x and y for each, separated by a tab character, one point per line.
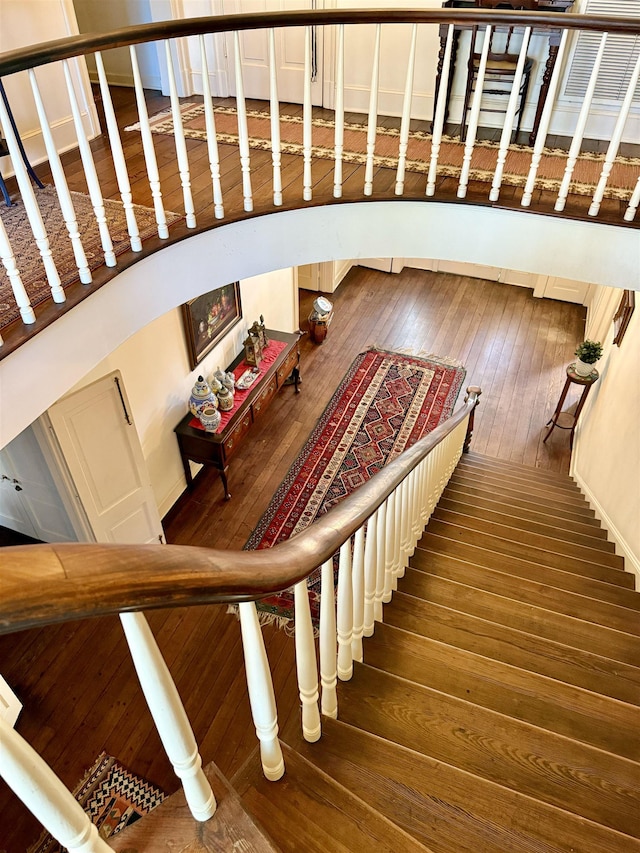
44	584
44	53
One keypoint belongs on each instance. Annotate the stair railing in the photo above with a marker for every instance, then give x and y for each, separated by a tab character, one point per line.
374	531
198	212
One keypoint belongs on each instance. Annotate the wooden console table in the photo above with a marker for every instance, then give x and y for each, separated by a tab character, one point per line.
215	449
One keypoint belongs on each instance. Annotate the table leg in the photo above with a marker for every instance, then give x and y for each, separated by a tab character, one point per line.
579	407
551	423
296	378
225	484
544	90
187	472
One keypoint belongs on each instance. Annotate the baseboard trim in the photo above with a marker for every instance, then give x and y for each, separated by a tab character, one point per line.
631	560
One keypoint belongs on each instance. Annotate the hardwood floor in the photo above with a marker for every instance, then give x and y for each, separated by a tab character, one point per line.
76	681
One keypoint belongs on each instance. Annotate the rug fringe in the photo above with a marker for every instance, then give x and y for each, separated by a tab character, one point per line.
445	360
265	618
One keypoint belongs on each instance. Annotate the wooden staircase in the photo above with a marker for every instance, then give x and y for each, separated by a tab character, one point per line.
497	708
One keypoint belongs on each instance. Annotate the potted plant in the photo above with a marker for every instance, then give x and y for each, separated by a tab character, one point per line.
588	353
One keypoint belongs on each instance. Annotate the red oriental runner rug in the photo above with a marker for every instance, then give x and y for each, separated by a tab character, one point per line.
384	404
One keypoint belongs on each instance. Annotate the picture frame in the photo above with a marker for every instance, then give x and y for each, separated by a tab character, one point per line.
623	315
209	317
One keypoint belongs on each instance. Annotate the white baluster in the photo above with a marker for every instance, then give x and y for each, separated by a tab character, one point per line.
328	642
373	115
438	122
545	121
426	507
345	613
474	117
358	594
406	113
616	138
398	565
512	106
45	796
634	201
33	214
306	665
339	114
381	554
391	582
415	509
9	262
91	176
274	101
212	139
261	695
147	147
578	135
307	112
60	181
370	574
181	146
119	163
169	715
243	132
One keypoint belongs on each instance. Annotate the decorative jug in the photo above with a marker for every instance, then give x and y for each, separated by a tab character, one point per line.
225	399
210	418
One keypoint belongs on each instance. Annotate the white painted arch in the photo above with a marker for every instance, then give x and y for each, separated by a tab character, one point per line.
44	369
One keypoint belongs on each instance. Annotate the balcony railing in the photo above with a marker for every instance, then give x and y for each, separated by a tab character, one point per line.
430	95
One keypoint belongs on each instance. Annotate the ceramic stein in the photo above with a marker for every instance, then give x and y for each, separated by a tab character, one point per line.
210	418
201	396
225	399
229	382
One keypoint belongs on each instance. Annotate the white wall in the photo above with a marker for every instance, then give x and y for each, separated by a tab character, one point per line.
157	375
606	458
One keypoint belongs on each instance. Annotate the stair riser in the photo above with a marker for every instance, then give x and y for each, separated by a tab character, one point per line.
500	465
495	490
529	490
520	481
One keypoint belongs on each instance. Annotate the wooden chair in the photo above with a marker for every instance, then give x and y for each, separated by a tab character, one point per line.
501	63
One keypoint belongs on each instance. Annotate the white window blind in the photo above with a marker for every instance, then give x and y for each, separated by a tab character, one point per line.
621	54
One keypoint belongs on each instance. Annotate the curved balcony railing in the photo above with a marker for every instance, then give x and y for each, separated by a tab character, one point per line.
431	51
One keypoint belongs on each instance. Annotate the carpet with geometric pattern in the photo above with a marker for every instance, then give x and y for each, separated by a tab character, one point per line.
384	404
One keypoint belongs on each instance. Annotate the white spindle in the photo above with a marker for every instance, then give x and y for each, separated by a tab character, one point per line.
438	122
243	132
328	642
261	695
391	582
274	102
9	262
33	215
358	594
370	574
345	613
634	201
406	113
119	163
90	174
212	139
512	106
381	555
416	515
169	715
373	115
398	566
60	181
405	526
474	117
45	796
178	135
339	114
616	138
545	121
307	113
306	664
428	473
147	146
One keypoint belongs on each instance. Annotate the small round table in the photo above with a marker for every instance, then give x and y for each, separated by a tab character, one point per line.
570	420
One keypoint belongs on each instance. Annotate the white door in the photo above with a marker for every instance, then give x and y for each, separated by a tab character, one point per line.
101	447
564	289
290	42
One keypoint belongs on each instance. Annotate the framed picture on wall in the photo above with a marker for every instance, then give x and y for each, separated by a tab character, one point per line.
209	317
623	315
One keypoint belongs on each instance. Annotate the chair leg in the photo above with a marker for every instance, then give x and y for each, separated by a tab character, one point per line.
23	153
523	100
5	194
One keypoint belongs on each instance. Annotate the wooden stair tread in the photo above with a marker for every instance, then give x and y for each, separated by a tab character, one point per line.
567	532
308	810
606	642
170	827
516	477
577	603
518	648
493	462
512	548
600	721
533	491
432	546
448	809
575	777
544	502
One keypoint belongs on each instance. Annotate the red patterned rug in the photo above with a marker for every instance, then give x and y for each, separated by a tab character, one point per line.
384	404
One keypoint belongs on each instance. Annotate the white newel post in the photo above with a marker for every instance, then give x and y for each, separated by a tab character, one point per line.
328	642
261	695
33	781
169	715
306	665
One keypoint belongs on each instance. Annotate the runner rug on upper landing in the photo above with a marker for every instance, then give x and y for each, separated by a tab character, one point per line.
384	404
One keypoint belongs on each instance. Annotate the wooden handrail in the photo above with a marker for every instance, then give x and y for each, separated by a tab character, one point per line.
44	584
44	53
